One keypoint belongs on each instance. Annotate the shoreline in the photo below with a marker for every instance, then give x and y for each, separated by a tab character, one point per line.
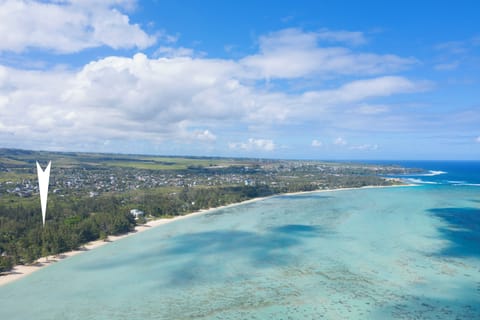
21	271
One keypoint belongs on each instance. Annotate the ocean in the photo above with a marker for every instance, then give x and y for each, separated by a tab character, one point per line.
456	173
375	253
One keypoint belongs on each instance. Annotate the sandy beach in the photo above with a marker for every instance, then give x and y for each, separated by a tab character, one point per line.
21	271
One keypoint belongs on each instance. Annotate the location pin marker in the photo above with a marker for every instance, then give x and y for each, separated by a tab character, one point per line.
43	178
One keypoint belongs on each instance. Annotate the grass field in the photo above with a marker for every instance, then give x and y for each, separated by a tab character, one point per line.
26	159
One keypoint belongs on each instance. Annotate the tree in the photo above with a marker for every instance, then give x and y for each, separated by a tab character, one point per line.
6	263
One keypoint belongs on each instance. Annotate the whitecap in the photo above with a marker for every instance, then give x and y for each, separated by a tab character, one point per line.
456	182
420	181
432	173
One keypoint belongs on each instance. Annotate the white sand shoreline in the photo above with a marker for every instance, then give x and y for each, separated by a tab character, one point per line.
21	271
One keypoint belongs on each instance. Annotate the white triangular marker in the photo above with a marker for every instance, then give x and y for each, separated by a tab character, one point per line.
43	178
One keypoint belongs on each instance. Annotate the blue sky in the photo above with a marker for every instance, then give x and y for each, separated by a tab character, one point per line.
275	79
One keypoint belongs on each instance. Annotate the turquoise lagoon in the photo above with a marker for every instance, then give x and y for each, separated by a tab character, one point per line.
380	253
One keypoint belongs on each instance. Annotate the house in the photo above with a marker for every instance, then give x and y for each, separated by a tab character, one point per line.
137	213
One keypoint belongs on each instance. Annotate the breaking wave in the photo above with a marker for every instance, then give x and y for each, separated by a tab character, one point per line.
432	173
420	181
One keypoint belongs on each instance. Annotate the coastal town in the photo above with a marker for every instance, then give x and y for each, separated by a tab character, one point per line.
92	181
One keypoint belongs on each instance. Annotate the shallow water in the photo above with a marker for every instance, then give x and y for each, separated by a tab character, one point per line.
401	253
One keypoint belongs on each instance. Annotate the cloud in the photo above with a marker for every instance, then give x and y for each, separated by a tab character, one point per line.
453	47
254	145
453	54
478	139
292	53
365	147
340	141
205	136
366	88
447	66
317	143
68	26
368	109
381	86
348	37
172	52
159	99
459	47
117	98
175	99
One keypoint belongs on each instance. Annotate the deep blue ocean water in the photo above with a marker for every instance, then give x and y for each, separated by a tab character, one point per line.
379	253
464	222
457	173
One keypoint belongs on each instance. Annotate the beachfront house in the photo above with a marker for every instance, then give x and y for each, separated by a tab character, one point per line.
137	213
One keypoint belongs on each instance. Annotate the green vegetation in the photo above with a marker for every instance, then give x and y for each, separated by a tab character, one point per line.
71	223
91	195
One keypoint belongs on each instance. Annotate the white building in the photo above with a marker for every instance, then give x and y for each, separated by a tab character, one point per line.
137	213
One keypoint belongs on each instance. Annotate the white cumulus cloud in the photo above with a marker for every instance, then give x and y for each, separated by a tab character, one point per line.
171	52
362	89
254	145
368	109
205	135
291	53
316	143
348	37
340	141
68	26
176	98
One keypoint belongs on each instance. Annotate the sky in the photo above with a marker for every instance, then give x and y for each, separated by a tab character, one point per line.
268	79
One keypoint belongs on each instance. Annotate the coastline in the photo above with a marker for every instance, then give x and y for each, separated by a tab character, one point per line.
21	271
